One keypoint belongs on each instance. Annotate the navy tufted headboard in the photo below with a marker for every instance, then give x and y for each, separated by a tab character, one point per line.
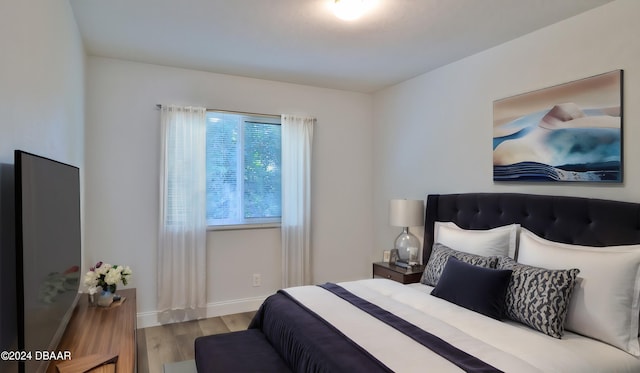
573	220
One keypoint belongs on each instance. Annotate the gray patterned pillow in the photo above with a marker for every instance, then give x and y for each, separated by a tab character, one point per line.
439	256
538	297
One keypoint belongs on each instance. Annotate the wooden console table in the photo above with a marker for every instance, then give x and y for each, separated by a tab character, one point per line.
100	338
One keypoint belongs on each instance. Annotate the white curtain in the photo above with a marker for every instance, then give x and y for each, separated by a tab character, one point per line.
297	138
182	235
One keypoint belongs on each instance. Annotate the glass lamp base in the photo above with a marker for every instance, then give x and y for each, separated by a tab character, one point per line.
408	247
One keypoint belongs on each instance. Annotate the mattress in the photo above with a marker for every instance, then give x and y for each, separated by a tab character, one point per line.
505	345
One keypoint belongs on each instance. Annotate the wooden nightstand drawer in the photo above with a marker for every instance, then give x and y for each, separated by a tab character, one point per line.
387	273
399	274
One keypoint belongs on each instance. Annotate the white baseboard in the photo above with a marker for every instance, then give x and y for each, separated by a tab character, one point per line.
147	319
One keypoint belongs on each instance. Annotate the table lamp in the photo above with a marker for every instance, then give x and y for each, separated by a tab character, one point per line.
407	213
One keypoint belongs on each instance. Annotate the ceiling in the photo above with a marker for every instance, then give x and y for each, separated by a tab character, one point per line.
301	41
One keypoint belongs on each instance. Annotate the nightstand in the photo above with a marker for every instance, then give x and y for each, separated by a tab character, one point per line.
402	275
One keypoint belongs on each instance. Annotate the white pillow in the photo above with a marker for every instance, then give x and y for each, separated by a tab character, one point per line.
490	242
604	304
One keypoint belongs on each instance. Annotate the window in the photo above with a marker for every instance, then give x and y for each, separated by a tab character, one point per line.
243	169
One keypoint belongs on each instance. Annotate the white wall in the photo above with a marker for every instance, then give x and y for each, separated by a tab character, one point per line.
41	81
432	134
122	140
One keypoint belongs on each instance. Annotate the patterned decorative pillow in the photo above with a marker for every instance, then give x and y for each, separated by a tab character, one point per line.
538	297
439	256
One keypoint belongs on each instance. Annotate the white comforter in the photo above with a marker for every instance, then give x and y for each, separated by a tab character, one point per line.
508	346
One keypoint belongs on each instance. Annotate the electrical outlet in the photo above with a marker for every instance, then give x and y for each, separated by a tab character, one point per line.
257	279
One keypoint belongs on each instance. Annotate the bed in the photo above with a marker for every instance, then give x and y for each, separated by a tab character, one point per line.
569	303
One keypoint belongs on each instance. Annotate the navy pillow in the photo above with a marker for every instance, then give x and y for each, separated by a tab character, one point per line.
479	289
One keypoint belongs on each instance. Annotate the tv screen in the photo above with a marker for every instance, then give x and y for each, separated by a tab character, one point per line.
48	255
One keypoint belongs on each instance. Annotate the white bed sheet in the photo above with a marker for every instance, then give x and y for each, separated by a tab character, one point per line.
506	345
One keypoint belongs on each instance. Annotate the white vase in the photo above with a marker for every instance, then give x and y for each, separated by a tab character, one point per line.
105	298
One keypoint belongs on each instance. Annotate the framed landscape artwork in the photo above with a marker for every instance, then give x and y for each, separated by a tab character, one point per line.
569	132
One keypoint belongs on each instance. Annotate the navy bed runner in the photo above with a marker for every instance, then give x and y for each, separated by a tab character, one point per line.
463	360
307	342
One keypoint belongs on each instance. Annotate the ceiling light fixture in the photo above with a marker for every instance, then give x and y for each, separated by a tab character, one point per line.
349	10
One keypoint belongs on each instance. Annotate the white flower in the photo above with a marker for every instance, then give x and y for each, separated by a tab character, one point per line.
103	269
91	278
126	275
104	274
112	277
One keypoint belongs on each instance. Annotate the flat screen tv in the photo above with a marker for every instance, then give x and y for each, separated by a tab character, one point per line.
48	255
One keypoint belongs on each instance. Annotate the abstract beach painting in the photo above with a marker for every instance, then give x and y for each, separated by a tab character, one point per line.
569	132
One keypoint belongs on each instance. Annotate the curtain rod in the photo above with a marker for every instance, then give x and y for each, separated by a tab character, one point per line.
159	106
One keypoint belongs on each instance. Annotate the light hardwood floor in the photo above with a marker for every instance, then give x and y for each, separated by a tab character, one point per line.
174	342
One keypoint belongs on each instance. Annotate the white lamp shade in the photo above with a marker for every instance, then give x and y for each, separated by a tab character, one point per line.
406	212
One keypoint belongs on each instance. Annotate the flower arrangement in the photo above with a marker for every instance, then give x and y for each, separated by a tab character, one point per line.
105	277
